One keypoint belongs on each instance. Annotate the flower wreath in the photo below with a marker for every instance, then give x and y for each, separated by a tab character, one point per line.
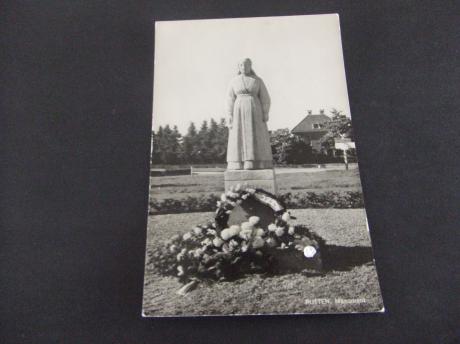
216	251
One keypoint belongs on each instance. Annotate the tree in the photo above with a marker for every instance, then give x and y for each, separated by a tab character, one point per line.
208	145
340	126
288	148
156	144
154	157
177	147
203	143
222	141
189	144
167	146
212	140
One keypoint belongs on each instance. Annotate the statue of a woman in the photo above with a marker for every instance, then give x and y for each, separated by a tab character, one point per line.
248	104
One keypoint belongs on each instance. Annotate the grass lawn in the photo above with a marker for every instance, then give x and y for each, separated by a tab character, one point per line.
260	294
179	187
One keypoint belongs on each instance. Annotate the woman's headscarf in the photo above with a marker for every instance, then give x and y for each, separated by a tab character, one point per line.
244	60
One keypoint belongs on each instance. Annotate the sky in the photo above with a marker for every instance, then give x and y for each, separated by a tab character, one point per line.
299	58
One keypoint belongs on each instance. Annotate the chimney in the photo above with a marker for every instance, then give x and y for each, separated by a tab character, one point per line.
309	112
321	111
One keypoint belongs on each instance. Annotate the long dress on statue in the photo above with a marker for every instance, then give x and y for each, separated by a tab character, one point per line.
248	104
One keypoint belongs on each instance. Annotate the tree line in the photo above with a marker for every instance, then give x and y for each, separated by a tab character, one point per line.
208	144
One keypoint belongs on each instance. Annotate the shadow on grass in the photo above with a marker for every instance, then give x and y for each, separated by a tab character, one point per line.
343	258
333	258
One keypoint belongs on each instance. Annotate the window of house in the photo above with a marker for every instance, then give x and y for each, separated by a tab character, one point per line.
317	126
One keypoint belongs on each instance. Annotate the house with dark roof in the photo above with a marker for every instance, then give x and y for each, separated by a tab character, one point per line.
312	128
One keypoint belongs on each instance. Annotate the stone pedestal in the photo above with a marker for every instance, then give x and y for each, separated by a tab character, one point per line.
263	179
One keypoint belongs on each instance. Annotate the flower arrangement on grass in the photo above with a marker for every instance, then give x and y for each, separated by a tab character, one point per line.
218	251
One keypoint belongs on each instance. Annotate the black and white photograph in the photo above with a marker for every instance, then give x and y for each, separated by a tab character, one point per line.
255	199
189	171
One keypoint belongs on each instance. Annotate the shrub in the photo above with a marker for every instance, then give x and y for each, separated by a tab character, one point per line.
327	199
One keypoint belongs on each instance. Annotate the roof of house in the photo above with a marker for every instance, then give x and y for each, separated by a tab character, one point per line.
306	125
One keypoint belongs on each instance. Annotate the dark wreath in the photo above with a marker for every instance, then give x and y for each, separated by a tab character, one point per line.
221	250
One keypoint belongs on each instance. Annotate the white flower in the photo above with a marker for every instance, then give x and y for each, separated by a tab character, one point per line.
173	248
237	187
211	231
223	198
235	229
247	226
187	236
198	252
225	234
286	217
217	242
259	232
245	196
272	227
254	220
197	230
309	251
206	242
231	194
219	203
180	270
279	231
233	243
258	242
228	233
271	242
291	230
251	191
246	234
283	245
244	246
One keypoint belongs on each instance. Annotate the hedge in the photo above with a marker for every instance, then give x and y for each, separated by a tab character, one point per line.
327	199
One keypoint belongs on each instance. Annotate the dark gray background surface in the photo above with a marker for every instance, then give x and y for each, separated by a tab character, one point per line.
76	97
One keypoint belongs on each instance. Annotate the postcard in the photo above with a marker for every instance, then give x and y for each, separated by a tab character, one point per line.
255	199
